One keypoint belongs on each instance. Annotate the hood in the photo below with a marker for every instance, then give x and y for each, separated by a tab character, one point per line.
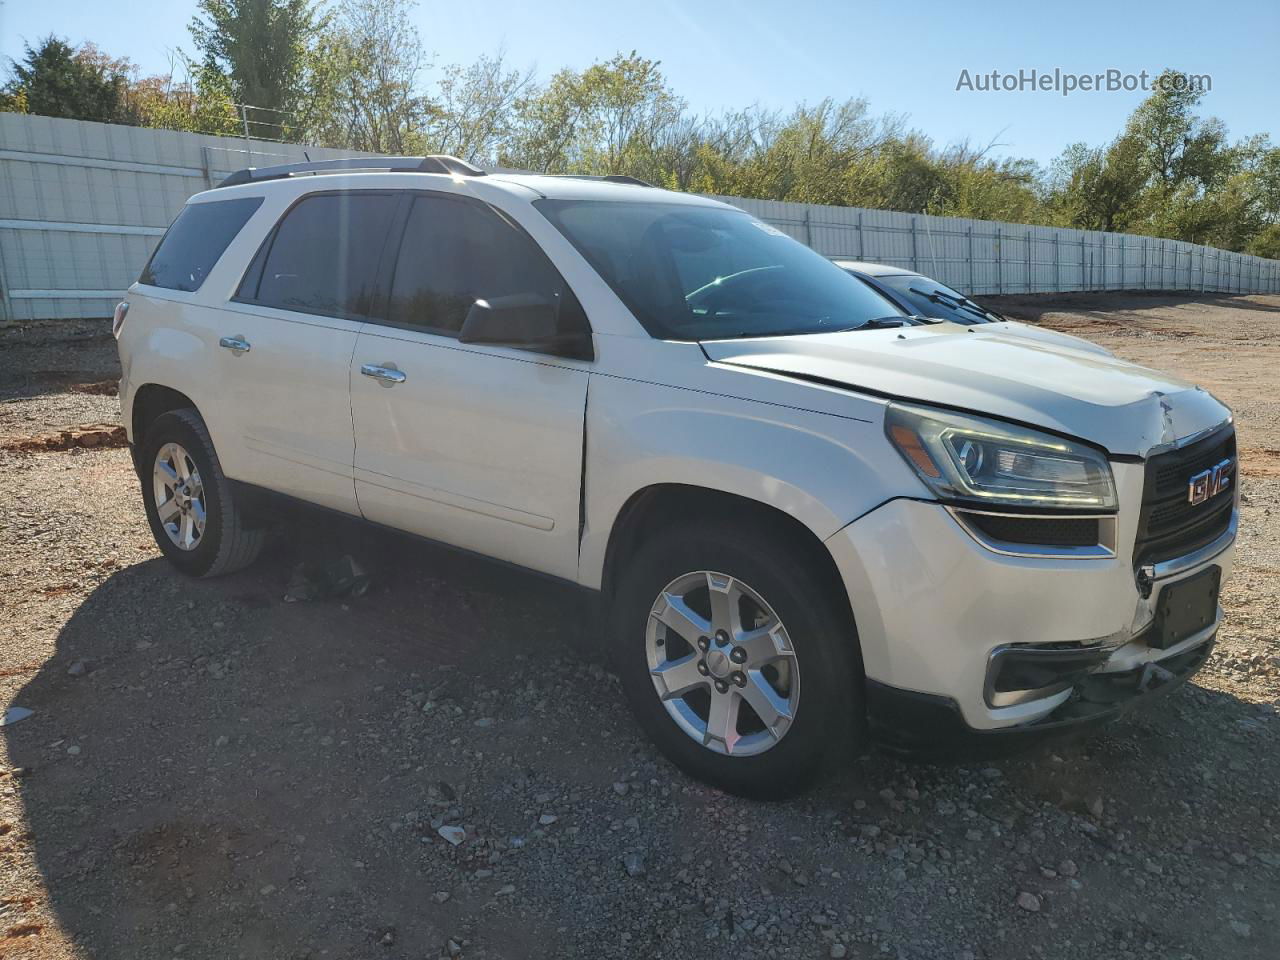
1043	335
1120	406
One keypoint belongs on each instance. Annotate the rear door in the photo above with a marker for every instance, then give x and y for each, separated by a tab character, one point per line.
287	340
474	445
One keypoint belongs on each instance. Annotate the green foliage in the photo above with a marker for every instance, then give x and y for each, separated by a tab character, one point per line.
1172	173
54	80
261	46
362	78
357	77
200	103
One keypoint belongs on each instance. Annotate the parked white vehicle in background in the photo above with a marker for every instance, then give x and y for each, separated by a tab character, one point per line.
930	301
811	523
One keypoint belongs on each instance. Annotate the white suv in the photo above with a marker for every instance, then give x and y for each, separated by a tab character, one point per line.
811	525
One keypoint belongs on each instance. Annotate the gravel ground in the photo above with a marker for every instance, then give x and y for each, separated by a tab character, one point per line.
210	772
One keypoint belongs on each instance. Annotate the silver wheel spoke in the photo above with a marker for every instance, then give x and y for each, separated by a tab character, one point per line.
678	677
725	603
168	510
722	721
769	706
765	643
166	474
678	616
197	515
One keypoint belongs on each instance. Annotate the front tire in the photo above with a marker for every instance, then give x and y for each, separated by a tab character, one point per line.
190	503
738	657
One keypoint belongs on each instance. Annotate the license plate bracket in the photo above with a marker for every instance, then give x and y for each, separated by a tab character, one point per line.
1186	607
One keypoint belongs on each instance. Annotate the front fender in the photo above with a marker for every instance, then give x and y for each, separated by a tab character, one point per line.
822	469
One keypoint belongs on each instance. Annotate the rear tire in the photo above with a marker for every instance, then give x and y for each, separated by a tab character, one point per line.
202	531
770	579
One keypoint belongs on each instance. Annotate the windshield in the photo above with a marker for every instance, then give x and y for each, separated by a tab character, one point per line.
703	273
928	298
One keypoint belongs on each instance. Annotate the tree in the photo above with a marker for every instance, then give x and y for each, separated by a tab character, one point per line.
608	119
191	96
261	47
55	80
1099	188
474	114
363	78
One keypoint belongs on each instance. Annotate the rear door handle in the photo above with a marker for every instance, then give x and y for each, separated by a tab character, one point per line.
236	345
385	374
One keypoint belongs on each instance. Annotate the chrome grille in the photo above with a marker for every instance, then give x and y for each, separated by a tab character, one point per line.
1170	525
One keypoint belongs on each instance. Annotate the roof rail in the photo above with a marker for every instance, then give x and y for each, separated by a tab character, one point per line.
434	164
606	178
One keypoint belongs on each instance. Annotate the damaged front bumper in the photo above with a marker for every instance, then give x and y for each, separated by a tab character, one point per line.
932	727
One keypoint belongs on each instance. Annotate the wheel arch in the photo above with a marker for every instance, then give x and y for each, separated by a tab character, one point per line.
658	506
150	401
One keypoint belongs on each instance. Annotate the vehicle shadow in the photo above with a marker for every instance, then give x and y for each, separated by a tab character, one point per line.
231	775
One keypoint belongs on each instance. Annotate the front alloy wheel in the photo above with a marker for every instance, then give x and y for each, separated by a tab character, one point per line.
714	624
722	663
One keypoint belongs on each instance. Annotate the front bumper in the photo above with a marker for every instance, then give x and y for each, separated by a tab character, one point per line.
932	727
936	610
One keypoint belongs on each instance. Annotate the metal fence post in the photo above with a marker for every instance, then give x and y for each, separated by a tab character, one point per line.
1030	289
1104	263
999	263
6	306
968	232
808	229
1124	263
915	244
1083	284
1057	263
862	243
1146	259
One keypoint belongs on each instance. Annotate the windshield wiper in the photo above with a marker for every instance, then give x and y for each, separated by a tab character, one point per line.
962	303
879	323
883	323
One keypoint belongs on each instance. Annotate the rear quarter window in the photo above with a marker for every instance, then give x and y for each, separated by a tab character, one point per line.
194	241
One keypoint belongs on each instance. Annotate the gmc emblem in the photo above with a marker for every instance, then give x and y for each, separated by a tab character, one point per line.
1209	483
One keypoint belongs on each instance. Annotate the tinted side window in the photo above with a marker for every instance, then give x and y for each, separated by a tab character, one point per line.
194	242
324	257
456	252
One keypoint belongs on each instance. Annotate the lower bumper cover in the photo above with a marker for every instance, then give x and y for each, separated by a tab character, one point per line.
932	727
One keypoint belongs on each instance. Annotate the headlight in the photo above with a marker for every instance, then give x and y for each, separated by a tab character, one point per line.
986	462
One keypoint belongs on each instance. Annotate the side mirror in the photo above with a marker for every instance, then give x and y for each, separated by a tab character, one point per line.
526	321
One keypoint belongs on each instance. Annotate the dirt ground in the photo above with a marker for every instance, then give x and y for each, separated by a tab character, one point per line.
211	772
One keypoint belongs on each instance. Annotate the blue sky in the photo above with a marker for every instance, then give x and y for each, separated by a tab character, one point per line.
904	58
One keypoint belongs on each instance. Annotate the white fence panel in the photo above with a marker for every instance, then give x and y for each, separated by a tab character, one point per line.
82	205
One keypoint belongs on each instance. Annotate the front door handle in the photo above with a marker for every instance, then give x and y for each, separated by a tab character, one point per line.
236	345
385	374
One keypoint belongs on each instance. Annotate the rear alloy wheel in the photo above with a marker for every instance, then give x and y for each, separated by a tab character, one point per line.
714	629
191	505
179	496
